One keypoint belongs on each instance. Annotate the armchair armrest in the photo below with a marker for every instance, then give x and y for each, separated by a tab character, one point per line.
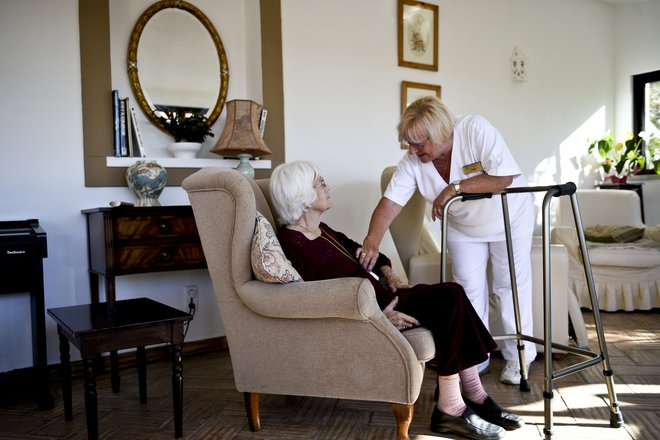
347	298
567	236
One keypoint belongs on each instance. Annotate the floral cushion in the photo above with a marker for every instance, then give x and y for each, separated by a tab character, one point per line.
269	263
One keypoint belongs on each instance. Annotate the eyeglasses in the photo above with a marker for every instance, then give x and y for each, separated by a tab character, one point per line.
416	145
321	184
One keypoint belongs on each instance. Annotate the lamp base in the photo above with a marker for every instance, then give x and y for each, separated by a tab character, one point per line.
244	165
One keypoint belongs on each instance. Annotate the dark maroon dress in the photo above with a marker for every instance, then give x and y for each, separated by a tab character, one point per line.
461	339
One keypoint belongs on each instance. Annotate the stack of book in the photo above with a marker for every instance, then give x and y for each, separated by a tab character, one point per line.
127	134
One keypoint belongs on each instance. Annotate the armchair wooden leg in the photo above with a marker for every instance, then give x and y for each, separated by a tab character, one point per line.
404	415
252	410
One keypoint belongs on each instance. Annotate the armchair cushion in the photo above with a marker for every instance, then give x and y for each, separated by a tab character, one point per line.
613	233
269	263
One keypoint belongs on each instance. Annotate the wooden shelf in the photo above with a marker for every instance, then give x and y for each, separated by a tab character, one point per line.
171	162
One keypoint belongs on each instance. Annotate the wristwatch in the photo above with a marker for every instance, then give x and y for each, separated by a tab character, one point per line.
457	186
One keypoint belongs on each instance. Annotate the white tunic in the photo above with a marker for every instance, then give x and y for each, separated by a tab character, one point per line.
475	140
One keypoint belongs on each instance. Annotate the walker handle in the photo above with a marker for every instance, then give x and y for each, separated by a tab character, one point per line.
565	189
475	196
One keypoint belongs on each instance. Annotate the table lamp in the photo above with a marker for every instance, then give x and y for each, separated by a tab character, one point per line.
241	136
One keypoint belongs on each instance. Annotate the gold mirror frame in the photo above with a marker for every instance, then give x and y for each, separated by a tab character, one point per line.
133	48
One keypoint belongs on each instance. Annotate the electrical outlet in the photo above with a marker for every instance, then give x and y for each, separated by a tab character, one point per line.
190	291
190	294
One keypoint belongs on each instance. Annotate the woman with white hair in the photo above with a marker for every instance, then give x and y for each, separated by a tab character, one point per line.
318	252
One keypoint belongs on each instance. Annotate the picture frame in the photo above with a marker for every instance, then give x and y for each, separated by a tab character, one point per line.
418	35
410	91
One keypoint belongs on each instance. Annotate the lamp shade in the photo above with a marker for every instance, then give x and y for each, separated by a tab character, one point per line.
241	132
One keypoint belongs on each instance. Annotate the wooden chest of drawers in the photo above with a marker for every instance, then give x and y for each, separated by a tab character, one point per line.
130	240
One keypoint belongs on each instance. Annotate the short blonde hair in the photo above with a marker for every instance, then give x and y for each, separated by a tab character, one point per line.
426	117
292	189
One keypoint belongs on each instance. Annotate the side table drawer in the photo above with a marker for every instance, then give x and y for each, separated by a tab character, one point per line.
142	258
156	226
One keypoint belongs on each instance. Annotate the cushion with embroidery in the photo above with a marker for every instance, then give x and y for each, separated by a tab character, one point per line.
269	264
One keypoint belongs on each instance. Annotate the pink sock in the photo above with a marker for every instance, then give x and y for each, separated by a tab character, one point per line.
472	387
450	401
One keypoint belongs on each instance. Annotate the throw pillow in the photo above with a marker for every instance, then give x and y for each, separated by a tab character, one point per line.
613	233
269	263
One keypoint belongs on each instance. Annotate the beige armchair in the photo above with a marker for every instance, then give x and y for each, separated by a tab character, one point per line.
419	252
322	338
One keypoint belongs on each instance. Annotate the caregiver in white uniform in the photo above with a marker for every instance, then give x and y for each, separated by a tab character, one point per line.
466	154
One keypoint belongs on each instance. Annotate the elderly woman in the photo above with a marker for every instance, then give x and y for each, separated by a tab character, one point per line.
318	252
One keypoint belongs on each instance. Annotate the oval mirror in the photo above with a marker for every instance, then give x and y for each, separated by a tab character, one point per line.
176	62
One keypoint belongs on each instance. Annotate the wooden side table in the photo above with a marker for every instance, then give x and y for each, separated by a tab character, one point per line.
111	326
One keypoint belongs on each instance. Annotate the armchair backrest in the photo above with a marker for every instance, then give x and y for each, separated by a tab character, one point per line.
602	207
408	230
224	204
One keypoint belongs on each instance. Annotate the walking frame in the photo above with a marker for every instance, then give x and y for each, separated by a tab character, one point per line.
593	358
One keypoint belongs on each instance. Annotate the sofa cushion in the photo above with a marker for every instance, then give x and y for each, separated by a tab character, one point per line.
641	254
613	233
269	263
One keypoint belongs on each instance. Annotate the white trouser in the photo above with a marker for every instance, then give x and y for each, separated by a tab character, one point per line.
469	268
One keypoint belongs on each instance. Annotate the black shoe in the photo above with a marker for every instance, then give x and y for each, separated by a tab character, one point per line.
491	412
467	425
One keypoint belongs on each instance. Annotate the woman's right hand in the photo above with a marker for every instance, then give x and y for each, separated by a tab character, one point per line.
400	320
382	217
439	202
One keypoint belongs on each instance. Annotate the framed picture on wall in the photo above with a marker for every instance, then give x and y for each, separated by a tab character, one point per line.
410	91
418	35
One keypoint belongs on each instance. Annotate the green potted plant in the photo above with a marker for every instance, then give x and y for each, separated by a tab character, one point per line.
621	159
188	131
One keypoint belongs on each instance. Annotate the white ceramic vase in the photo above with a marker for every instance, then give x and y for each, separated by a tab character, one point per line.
184	150
147	180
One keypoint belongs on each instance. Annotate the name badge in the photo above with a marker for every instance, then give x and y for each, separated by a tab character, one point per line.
472	168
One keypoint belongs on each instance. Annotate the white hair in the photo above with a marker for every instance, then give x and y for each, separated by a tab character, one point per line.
292	189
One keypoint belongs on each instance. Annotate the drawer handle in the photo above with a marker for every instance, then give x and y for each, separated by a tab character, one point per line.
164	227
165	255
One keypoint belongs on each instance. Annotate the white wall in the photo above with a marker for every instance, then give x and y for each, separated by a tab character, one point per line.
342	88
637	49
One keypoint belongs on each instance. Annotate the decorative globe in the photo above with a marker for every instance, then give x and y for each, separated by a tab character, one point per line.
147	180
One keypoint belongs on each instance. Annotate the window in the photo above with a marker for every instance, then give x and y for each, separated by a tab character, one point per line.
646	103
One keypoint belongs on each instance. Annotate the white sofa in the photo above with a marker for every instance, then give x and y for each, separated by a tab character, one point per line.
419	252
626	275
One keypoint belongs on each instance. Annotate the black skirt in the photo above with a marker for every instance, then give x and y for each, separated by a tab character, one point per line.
461	339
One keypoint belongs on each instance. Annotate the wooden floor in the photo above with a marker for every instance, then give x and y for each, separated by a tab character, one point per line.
214	410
